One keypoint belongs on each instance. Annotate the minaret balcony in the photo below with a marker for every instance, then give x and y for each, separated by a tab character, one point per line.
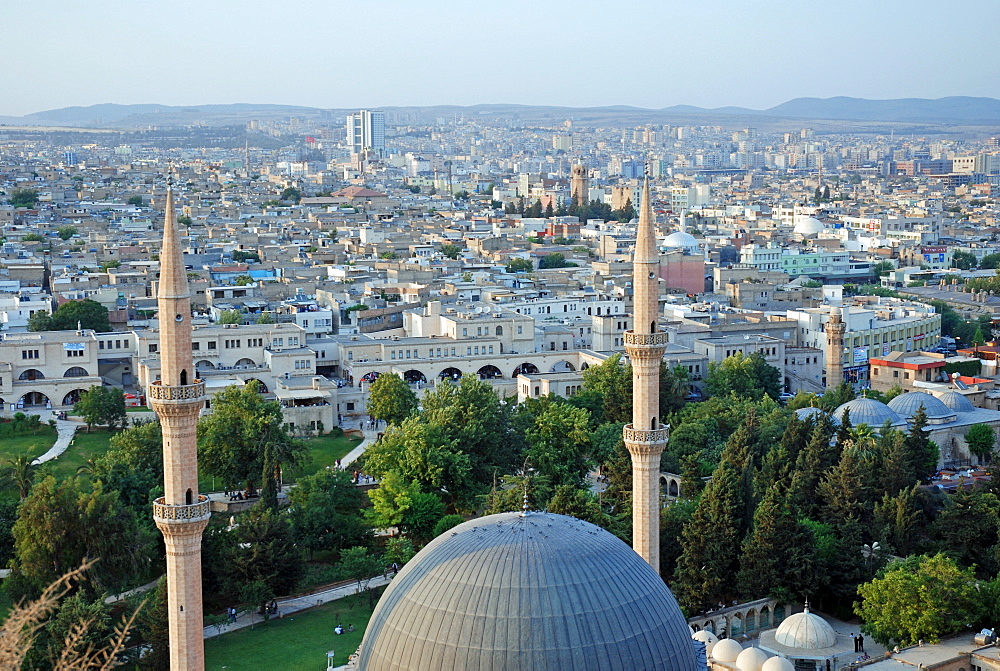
161	392
658	339
638	436
182	513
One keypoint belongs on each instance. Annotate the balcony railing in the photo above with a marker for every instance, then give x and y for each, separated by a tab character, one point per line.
632	435
633	338
194	511
161	392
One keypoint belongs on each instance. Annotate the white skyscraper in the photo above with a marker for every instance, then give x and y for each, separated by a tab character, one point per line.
366	131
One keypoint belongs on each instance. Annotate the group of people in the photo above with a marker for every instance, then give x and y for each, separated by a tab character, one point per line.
339	629
859	642
370	423
238	495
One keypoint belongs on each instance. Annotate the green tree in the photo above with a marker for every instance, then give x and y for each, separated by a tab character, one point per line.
66	232
423	453
555	260
559	444
883	268
578	503
184	220
360	565
242	281
967	529
87	314
133	466
79	614
265	318
8	518
627	213
152	626
230	317
399	550
19	472
963	260
23	198
519	265
325	512
919	598
232	440
33	237
778	552
612	383
923	451
135	200
264	550
254	596
102	405
401	504
743	375
391	399
981	440
451	250
990	262
60	524
291	194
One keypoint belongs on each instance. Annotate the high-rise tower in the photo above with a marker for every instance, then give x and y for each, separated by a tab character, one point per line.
580	185
835	329
646	437
178	397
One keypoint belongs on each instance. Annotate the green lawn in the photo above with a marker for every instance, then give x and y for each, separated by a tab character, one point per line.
85	446
297	642
323	451
35	445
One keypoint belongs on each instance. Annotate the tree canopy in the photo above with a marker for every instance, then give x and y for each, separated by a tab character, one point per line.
391	399
88	314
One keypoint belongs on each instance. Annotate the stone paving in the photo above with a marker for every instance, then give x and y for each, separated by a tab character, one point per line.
65	431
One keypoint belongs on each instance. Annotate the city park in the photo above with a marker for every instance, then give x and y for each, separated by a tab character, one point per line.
299	546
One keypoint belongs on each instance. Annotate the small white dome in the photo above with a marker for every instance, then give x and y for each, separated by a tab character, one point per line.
809	226
751	659
681	239
806	631
708	638
777	664
726	650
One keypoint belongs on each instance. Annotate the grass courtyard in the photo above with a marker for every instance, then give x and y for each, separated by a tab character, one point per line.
297	642
323	451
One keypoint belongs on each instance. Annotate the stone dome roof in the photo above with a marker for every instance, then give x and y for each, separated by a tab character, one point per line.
751	659
535	591
809	226
727	650
809	413
907	405
708	638
957	402
681	239
777	664
805	631
868	411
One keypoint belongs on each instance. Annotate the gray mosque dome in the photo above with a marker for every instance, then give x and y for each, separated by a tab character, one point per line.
805	631
869	411
681	239
527	591
809	226
815	413
907	405
957	402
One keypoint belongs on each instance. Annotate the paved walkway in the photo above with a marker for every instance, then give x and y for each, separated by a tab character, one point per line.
294	605
352	456
65	430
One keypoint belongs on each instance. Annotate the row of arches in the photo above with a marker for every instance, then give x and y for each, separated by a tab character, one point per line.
32	374
489	372
205	364
37	399
743	620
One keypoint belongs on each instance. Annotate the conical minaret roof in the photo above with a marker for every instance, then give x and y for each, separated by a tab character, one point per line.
645	240
173	275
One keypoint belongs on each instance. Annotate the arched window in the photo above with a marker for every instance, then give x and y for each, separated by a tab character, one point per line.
188	497
499	330
184	377
31	374
75	371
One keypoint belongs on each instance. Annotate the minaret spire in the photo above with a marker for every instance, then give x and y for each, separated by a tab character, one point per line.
181	514
646	437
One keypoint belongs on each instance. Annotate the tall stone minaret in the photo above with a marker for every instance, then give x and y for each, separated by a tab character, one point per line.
178	397
835	329
579	185
646	437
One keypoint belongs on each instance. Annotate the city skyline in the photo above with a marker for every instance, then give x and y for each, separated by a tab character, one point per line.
713	55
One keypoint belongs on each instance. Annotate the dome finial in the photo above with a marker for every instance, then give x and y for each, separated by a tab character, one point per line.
806	609
524	502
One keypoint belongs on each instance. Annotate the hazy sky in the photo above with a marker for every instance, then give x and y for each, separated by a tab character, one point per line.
330	53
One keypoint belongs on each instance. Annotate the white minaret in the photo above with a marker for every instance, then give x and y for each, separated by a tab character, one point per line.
646	437
178	397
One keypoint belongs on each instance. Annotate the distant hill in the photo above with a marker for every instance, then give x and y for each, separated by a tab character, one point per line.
956	110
